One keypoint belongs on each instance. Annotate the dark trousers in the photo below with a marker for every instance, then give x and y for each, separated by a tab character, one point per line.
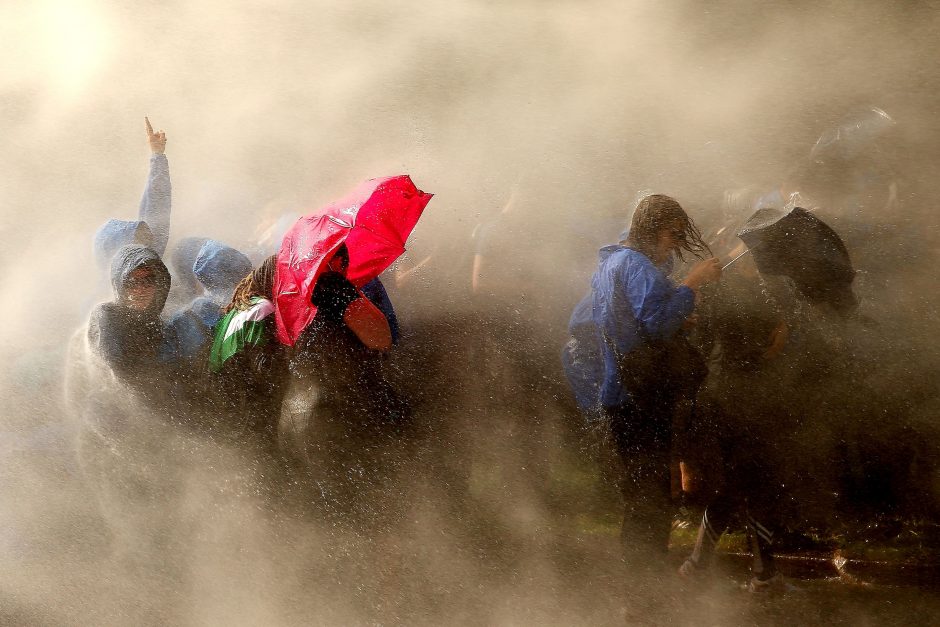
738	482
642	433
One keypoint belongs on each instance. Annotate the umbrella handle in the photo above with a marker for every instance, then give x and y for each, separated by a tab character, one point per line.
725	267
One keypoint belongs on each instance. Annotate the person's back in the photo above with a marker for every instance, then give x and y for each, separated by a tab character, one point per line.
218	269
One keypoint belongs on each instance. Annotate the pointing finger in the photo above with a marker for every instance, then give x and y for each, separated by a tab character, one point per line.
149	128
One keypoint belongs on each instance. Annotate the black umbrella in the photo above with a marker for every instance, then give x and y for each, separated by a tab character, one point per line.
798	245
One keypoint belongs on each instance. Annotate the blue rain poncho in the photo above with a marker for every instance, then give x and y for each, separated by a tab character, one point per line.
631	300
152	227
218	268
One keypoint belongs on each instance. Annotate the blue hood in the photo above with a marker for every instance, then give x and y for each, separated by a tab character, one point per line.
182	258
116	233
219	267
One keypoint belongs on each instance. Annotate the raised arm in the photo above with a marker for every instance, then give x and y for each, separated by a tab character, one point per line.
375	292
155	203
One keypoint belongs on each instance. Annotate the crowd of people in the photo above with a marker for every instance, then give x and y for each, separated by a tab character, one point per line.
189	348
686	379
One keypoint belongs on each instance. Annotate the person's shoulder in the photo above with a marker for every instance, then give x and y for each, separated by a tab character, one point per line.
630	260
103	312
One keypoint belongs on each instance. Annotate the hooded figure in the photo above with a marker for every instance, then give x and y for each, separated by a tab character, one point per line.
127	333
152	226
129	446
186	286
218	268
114	234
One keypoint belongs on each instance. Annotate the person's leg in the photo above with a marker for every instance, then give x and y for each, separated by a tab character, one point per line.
760	539
713	525
643	445
714	441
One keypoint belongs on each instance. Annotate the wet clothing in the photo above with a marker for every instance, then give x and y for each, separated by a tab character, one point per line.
632	302
130	341
743	419
240	329
186	286
332	295
375	292
581	358
626	364
218	268
152	227
641	430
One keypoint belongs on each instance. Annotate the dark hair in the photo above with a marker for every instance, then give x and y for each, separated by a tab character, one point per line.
657	212
259	283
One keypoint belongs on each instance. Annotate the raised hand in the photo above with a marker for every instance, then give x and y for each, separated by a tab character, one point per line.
705	271
157	141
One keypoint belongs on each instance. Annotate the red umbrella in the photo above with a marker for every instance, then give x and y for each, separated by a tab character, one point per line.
374	222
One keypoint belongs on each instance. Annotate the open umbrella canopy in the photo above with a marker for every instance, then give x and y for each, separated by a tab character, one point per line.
799	245
852	136
374	221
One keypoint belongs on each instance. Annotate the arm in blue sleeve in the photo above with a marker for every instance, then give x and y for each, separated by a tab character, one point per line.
375	292
659	307
155	203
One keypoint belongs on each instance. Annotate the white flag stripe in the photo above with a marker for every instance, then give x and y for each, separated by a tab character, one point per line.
259	312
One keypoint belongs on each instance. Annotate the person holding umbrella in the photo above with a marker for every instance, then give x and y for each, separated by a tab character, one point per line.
646	364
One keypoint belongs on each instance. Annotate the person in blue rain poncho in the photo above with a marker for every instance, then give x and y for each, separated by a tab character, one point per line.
180	259
218	269
628	361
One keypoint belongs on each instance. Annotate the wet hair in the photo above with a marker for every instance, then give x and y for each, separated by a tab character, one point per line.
657	212
258	284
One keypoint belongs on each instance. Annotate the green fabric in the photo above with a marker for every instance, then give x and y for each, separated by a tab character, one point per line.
238	329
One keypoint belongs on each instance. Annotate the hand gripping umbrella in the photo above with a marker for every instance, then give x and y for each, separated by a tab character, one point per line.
374	222
799	245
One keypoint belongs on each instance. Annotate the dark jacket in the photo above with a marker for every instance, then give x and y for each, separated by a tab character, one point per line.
130	341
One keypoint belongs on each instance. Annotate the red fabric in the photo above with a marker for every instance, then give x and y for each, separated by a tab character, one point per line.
374	221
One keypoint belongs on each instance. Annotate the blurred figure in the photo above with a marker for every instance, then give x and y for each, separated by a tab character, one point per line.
185	286
639	364
116	388
251	365
218	269
743	421
127	333
339	302
339	405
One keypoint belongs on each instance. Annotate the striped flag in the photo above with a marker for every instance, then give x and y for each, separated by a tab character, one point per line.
239	329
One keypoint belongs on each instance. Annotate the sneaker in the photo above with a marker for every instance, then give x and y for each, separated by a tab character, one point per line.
774	585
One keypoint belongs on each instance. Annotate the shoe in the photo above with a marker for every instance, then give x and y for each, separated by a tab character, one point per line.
777	584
